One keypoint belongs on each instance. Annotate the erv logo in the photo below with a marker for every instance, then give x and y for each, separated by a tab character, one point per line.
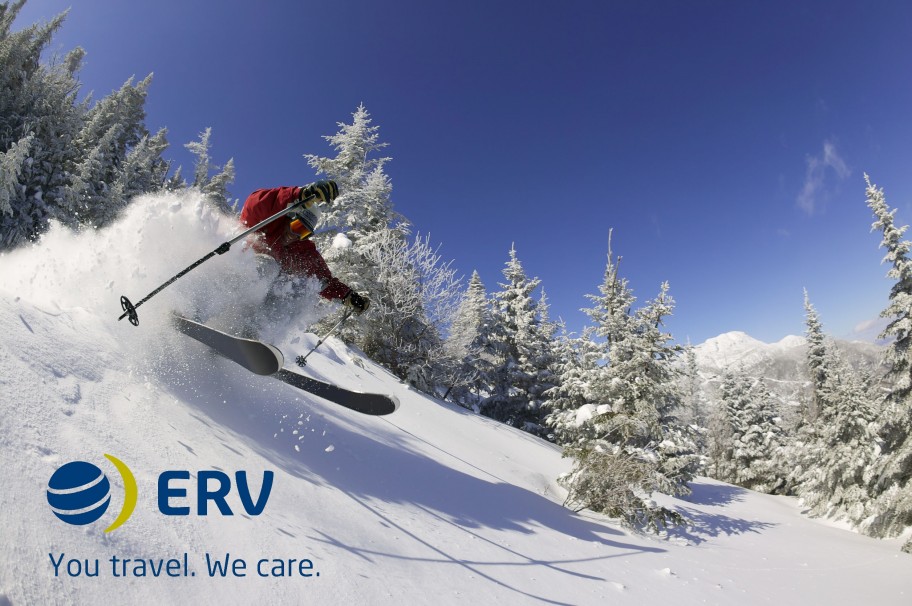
79	492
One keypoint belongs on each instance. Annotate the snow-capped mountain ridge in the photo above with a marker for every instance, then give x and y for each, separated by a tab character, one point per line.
782	365
736	348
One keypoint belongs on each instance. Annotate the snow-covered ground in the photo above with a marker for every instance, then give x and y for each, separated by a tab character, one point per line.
430	505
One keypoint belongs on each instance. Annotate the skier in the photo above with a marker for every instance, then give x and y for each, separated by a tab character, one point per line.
287	239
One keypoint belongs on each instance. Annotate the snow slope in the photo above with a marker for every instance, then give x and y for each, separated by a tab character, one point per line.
432	504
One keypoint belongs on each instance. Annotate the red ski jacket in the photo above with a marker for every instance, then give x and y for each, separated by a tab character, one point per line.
301	257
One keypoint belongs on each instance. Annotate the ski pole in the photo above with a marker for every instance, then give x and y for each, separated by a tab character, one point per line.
130	309
302	360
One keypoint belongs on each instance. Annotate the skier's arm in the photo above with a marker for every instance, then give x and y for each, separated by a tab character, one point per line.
264	203
304	259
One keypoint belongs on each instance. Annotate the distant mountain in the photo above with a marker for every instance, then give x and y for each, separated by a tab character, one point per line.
782	365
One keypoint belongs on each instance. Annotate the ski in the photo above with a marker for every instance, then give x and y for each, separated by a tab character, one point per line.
264	359
367	403
255	356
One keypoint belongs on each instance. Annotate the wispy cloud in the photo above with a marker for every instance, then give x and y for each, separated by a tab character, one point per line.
820	171
870	330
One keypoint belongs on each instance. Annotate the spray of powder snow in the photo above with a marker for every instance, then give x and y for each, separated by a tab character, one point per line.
156	237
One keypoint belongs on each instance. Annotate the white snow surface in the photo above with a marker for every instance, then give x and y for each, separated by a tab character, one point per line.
430	505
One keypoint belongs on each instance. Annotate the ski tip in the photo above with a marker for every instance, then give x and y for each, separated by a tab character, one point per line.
395	402
280	357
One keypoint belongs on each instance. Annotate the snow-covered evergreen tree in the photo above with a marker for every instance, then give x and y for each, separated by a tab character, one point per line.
571	402
838	462
892	474
816	358
90	192
693	405
726	423
746	435
615	411
758	446
547	361
638	378
216	186
799	455
11	165
38	106
143	170
473	314
359	221
469	342
110	130
364	208
415	299
521	346
65	160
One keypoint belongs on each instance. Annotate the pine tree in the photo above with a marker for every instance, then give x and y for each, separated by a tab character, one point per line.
473	316
746	435
89	192
363	219
545	360
893	474
693	405
571	402
143	170
37	105
11	165
61	159
521	350
839	459
216	186
415	299
727	425
110	130
816	357
469	342
759	444
614	412
638	379
364	208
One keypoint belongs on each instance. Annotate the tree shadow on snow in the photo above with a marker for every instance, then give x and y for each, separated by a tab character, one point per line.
703	526
716	495
374	462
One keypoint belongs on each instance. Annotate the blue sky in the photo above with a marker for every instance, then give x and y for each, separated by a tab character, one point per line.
725	142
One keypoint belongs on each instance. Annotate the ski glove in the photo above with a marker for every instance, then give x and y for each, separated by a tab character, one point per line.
324	191
356	302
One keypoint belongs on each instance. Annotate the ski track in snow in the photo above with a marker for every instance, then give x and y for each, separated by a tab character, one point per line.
433	504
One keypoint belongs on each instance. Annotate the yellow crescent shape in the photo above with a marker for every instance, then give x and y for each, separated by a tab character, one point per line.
130	493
